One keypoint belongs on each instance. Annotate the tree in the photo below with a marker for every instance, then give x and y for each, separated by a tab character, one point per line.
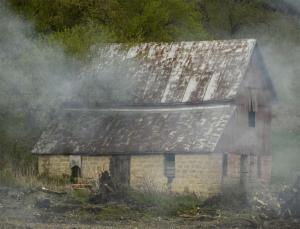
225	18
157	20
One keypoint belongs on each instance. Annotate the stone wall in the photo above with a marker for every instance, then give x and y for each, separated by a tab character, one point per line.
147	173
91	167
201	174
234	169
266	169
55	165
233	174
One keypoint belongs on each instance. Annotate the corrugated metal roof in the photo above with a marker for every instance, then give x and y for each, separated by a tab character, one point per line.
196	129
180	72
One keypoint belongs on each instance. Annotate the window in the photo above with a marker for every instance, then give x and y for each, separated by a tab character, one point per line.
75	166
244	170
225	165
259	166
75	173
251	118
170	167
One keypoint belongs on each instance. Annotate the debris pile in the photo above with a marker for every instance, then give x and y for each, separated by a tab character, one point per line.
289	198
283	203
106	189
199	213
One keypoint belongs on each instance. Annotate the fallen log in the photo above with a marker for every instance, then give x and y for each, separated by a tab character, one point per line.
81	186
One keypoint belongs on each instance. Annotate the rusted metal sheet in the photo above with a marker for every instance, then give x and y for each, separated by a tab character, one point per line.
180	72
181	130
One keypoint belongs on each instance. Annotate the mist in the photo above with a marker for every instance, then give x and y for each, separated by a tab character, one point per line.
279	43
37	79
34	74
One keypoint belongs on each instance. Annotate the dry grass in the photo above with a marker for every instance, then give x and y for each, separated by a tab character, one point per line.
28	178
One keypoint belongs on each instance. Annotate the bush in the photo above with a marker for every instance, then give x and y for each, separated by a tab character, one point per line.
165	204
232	197
7	178
81	195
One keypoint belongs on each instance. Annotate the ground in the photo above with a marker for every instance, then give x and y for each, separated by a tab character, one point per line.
37	208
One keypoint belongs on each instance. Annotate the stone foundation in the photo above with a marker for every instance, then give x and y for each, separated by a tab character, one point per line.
201	174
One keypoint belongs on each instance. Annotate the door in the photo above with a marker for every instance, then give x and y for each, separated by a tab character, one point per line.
244	170
120	169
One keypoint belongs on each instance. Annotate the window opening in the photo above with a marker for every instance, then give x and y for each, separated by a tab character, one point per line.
170	167
75	173
251	117
259	166
225	165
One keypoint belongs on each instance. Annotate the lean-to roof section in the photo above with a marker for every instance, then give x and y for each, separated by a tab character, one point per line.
140	131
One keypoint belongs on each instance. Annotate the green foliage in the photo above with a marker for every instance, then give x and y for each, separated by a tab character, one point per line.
7	178
78	39
80	24
225	18
77	24
163	204
111	212
81	195
157	20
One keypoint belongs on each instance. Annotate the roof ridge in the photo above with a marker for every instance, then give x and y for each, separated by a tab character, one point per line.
70	106
174	42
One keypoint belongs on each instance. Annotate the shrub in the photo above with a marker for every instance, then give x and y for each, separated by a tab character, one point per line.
165	204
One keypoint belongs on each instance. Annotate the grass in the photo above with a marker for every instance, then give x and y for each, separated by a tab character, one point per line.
120	212
80	195
164	204
29	179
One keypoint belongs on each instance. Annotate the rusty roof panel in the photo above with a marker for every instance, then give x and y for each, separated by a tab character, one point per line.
196	129
180	72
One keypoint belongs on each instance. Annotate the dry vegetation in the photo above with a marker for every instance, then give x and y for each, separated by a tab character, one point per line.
41	202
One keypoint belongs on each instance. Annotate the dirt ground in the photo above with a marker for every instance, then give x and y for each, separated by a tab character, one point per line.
35	208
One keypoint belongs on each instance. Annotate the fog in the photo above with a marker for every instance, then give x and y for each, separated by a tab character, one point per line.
37	77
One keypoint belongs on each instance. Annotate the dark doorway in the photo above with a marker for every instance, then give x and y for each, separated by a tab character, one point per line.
75	173
120	169
244	170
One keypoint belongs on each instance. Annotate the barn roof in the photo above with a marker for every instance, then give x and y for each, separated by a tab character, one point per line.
136	130
180	72
182	81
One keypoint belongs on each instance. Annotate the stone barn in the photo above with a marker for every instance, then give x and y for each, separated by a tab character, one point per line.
200	118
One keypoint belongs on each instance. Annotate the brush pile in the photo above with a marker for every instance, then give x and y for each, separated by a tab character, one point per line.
106	191
284	203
